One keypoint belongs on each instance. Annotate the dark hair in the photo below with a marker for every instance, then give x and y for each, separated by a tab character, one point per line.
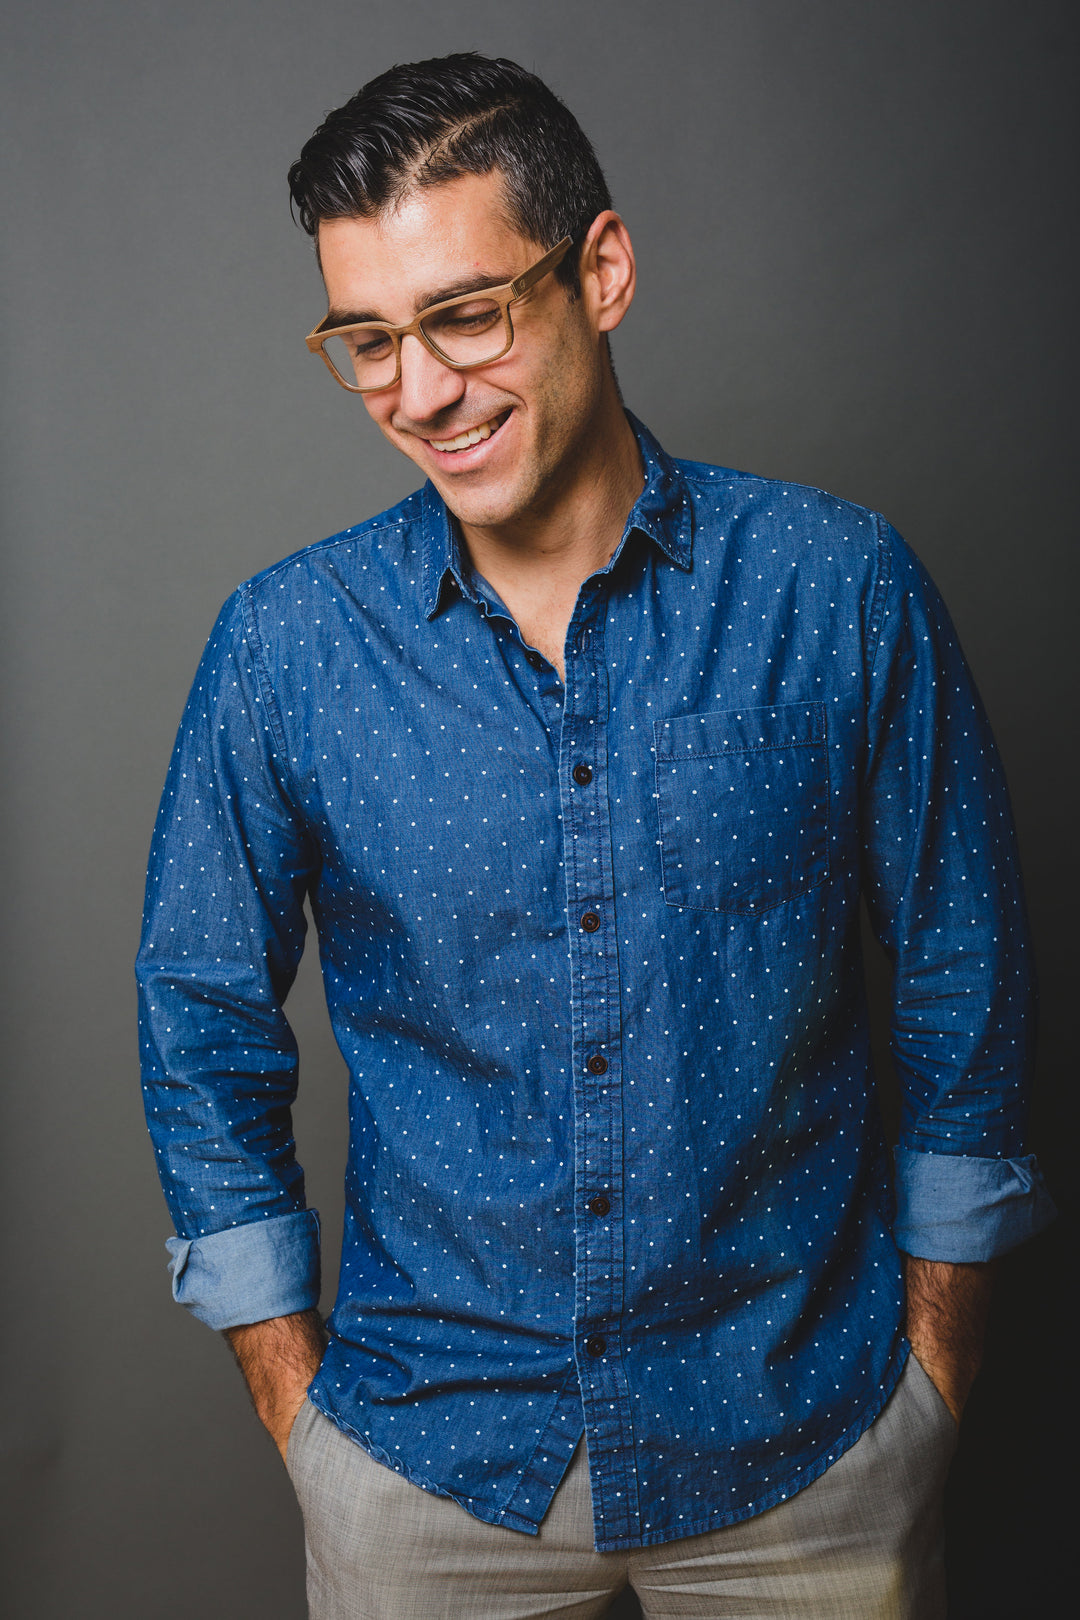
424	123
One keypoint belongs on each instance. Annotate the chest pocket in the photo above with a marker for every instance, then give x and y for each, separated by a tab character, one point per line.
743	799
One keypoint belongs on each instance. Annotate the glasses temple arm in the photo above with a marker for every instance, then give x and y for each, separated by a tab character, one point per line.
541	268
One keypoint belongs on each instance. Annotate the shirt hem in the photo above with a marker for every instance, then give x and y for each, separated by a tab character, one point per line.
497	1516
781	1493
508	1519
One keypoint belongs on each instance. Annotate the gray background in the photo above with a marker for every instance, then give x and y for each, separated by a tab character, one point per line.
854	272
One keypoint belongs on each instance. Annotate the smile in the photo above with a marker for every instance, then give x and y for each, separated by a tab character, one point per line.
465	441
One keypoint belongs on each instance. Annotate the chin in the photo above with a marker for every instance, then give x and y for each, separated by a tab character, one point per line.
482	509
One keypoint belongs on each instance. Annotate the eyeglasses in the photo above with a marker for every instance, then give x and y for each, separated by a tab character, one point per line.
471	330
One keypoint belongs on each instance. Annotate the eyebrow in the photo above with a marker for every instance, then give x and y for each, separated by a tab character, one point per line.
455	289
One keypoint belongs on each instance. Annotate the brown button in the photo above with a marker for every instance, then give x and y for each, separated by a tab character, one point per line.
590	922
599	1205
596	1345
582	775
597	1064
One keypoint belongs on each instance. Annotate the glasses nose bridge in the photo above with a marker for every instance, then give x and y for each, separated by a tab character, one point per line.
423	343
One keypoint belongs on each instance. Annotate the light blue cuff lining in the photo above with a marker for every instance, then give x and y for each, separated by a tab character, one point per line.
952	1207
248	1273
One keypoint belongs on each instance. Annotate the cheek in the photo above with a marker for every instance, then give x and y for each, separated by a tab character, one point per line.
566	392
378	409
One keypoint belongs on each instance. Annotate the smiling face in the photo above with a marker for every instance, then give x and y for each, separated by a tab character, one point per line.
501	442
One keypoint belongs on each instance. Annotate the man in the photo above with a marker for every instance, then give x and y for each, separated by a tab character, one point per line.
583	757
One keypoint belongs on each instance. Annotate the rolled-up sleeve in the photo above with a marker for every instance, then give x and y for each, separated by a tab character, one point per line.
953	1207
248	1273
223	931
942	880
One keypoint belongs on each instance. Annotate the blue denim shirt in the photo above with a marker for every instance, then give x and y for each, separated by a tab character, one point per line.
591	954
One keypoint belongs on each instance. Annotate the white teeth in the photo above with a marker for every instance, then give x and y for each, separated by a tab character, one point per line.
463	440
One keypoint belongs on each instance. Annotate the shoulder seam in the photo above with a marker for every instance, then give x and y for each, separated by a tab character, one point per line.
360	532
781	483
721	473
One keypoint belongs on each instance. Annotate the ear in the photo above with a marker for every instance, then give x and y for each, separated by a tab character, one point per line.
608	271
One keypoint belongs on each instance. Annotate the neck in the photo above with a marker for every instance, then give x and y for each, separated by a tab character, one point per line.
573	530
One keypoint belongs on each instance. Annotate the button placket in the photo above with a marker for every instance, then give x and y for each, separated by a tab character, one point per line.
598	1103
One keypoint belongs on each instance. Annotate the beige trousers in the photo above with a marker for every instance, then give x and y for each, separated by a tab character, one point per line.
862	1542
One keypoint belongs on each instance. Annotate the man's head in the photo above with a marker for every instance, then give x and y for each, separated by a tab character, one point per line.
457	175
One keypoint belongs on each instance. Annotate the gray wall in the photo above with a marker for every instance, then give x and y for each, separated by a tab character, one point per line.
853	272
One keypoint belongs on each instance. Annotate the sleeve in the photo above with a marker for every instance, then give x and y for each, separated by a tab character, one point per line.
942	882
223	932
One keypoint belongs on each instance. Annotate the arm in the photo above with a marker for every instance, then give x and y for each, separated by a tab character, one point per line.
223	932
278	1359
947	1307
941	877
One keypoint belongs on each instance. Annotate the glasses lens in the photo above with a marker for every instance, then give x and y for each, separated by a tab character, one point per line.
469	332
364	359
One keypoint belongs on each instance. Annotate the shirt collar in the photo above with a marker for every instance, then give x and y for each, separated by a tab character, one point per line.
662	511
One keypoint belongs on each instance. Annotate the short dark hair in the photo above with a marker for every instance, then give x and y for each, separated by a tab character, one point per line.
424	123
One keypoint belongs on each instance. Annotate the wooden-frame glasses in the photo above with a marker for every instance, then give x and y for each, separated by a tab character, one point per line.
470	330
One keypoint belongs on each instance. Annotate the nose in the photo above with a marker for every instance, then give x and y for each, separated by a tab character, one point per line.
427	386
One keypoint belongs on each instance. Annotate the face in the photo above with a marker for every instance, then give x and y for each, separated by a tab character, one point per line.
539	405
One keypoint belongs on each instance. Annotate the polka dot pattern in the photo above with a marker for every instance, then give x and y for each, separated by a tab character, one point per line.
591	955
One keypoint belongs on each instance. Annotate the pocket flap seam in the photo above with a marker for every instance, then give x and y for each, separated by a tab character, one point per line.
695	736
